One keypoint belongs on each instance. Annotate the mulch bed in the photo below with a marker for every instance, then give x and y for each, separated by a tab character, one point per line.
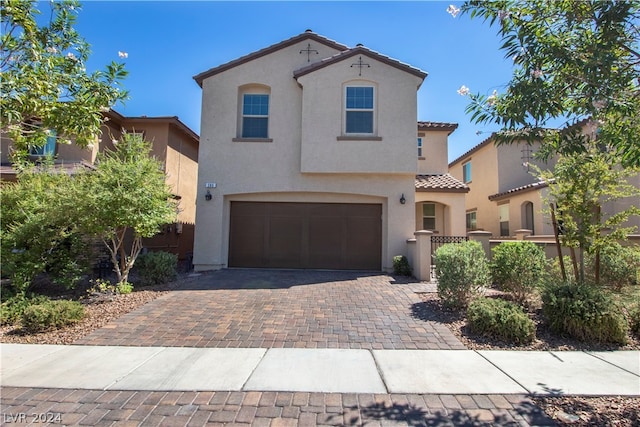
619	411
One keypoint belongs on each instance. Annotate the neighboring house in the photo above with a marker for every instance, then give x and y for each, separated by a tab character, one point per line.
505	196
310	154
174	144
440	198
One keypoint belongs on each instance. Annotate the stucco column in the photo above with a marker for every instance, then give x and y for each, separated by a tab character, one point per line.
482	237
422	259
523	233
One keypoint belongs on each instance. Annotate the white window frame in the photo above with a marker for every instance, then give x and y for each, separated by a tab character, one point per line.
420	146
372	109
261	116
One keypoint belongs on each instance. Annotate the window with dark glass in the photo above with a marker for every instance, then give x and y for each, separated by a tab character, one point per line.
359	110
48	149
419	147
504	220
471	221
429	216
255	116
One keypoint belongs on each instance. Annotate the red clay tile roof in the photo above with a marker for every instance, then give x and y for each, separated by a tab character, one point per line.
267	50
437	126
359	50
440	182
529	187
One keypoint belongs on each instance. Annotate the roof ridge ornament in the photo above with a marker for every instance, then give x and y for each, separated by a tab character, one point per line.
308	50
360	64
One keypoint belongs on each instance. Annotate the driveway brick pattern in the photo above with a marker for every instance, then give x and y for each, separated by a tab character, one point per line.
281	309
270	409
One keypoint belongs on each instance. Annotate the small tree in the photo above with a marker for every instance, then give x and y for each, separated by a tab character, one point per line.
126	197
45	85
580	185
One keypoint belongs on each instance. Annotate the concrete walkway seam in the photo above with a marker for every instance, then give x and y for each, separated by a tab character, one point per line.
117	380
611	363
380	372
504	372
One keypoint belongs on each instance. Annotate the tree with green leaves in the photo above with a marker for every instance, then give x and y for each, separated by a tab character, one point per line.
581	188
125	199
45	85
38	232
572	60
49	218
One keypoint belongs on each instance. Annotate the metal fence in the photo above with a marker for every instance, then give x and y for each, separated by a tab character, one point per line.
437	241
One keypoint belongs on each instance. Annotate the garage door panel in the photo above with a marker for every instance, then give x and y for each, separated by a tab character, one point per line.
326	248
305	235
246	242
285	245
363	245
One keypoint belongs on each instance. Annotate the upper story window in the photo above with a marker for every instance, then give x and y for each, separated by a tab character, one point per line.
419	147
466	172
48	149
255	115
359	110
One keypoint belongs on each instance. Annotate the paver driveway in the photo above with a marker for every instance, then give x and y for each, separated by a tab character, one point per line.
277	308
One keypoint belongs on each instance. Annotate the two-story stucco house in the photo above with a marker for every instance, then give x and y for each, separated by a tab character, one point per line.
308	160
506	196
173	143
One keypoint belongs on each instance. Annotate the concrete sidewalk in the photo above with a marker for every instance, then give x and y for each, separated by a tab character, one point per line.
320	370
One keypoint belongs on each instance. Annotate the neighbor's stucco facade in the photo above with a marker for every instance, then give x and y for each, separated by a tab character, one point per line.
503	179
306	157
172	143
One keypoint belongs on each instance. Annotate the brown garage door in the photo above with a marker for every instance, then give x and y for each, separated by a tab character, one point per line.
305	235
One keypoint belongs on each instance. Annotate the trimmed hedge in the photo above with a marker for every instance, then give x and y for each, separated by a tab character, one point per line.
518	268
155	268
500	319
401	266
52	314
584	312
462	271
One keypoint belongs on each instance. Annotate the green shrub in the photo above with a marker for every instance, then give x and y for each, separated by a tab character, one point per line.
501	319
12	308
619	266
462	270
101	286
124	288
401	266
52	314
584	312
518	268
157	267
634	321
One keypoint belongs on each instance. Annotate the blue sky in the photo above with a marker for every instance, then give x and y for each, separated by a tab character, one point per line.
168	42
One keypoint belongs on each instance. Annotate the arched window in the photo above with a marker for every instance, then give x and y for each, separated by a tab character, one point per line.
359	108
253	117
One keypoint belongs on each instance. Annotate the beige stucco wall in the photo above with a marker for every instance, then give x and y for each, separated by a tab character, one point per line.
272	171
484	182
450	212
434	152
395	112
